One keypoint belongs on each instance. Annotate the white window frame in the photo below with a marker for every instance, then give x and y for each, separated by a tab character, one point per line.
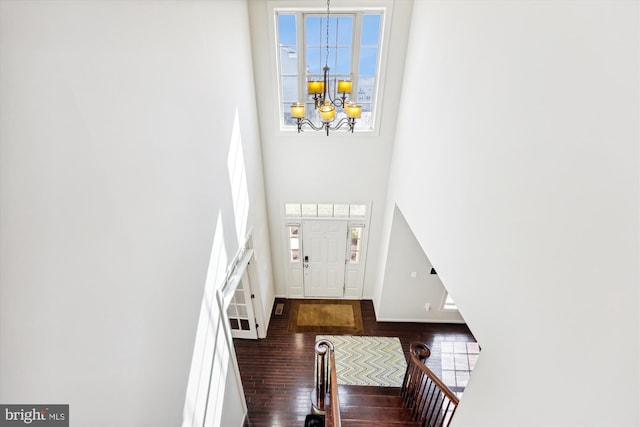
384	7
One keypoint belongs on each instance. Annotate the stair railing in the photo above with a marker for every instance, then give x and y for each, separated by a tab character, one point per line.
326	387
432	403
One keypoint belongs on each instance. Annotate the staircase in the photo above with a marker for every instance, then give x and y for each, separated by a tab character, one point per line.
366	406
424	400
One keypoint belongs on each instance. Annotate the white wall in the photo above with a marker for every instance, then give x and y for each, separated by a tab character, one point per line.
405	296
516	166
115	128
313	167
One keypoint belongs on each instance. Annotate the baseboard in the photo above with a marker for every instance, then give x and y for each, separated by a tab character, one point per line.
458	322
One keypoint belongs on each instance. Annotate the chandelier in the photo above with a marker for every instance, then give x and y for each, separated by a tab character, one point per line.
324	104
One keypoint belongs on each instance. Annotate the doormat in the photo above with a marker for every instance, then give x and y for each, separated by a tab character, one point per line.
326	316
369	361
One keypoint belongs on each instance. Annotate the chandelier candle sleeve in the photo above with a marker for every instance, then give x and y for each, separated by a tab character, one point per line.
353	110
297	110
327	112
344	86
315	86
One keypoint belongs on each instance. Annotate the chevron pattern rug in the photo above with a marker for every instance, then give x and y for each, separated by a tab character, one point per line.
372	361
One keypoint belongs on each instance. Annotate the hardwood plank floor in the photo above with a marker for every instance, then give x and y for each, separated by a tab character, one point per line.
277	372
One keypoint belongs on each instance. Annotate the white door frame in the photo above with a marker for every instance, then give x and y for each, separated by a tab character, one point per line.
241	302
292	259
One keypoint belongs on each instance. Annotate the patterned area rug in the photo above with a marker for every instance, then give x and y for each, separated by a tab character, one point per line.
373	361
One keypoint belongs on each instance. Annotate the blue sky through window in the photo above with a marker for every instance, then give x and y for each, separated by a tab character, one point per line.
316	36
299	63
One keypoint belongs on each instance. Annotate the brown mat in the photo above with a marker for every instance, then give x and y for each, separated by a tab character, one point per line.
326	316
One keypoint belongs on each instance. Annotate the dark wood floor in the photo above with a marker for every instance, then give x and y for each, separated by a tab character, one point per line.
277	372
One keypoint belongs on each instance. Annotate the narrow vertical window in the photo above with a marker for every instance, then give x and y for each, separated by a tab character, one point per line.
355	244
288	58
367	69
294	243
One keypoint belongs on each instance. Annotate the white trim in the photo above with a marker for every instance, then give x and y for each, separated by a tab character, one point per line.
233	362
236	274
384	319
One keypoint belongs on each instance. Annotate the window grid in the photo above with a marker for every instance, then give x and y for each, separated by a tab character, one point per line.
355	244
294	243
364	26
325	210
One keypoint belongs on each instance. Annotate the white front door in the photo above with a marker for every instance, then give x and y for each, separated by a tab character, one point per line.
324	248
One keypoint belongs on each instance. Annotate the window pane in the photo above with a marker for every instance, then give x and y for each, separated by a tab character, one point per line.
354	245
294	243
325	210
365	89
345	30
370	29
355	232
309	209
292	209
290	89
288	60
368	61
315	62
358	211
313	31
287	29
340	211
333	27
343	65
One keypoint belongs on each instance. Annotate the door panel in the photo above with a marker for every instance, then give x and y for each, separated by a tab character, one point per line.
324	247
238	301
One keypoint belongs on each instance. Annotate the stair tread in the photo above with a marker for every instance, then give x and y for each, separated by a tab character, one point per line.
370	405
367	412
366	389
368	423
374	400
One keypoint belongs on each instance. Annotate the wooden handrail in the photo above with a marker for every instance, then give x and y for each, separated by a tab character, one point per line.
433	404
326	381
335	400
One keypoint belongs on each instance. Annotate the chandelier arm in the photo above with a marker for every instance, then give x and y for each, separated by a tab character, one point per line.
304	121
344	121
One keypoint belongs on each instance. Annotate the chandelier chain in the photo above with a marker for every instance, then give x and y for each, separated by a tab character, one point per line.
326	60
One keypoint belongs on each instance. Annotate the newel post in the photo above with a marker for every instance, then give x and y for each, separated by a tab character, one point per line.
319	395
